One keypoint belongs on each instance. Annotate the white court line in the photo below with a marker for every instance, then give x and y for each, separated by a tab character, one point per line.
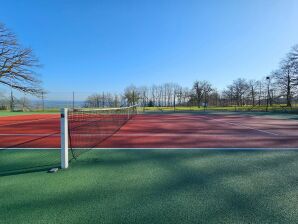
30	121
237	148
8	148
130	135
144	148
244	126
33	135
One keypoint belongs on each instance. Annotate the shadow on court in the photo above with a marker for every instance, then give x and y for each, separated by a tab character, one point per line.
189	185
161	186
22	161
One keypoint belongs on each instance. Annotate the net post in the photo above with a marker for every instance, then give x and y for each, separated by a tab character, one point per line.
64	138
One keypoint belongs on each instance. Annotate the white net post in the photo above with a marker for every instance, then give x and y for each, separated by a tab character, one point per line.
64	138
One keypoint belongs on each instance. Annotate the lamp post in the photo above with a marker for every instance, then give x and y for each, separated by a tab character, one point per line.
268	92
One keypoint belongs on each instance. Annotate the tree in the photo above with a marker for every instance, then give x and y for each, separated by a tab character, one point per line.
207	89
293	61
132	95
116	102
228	96
260	91
185	96
104	99
198	89
159	95
286	80
3	101
239	89
144	95
17	64
153	95
253	91
93	100
214	98
176	94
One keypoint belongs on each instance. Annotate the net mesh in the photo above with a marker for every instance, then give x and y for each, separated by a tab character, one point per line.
89	127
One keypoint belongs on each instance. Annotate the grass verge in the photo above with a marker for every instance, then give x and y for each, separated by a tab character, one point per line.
17	113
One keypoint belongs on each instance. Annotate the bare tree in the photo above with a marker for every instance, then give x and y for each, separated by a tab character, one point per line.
253	85
160	95
153	95
186	94
177	89
132	95
207	89
260	91
17	64
214	98
293	61
144	95
198	88
239	88
3	101
286	79
227	96
103	99
93	100
116	102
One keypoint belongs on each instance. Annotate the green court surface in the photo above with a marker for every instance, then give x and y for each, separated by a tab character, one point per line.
154	186
20	161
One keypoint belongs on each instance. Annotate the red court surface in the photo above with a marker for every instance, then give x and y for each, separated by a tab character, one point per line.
180	130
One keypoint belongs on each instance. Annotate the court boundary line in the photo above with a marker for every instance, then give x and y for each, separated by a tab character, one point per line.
231	148
129	134
33	134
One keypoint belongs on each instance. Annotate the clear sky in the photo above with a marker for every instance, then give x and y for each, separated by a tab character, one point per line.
105	45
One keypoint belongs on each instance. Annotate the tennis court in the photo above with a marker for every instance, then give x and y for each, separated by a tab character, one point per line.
169	130
150	168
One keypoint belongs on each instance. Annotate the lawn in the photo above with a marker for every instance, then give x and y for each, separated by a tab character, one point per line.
247	108
156	186
4	113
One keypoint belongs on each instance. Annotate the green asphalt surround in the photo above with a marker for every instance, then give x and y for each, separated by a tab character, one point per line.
153	186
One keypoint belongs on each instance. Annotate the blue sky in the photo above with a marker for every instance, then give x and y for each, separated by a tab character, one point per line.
107	45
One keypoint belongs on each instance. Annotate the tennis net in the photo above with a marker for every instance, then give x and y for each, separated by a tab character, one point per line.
84	129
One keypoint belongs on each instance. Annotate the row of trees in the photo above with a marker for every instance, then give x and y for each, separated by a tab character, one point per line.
104	100
280	87
171	94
